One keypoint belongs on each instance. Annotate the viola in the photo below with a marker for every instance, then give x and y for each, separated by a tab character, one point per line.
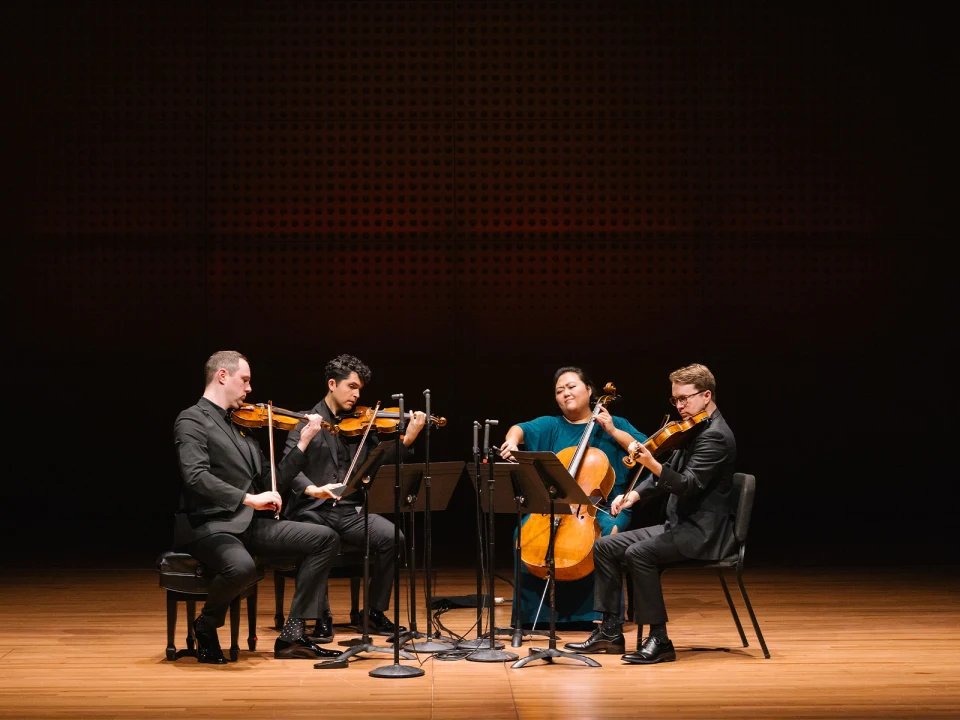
385	421
669	437
261	415
576	533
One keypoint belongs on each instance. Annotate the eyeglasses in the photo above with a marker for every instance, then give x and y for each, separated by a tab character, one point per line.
682	400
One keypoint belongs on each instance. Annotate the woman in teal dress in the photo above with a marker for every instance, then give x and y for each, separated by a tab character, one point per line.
612	435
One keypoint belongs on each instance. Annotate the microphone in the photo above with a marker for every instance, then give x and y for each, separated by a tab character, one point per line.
401	424
486	435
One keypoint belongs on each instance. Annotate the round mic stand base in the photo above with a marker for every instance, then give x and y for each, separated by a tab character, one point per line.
479	643
491	656
431	646
397	671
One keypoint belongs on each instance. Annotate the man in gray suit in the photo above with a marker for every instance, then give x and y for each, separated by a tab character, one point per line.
227	511
699	480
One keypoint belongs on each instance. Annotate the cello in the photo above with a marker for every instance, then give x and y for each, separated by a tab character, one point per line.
575	533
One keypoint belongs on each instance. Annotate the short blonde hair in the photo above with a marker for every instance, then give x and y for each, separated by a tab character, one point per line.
697	375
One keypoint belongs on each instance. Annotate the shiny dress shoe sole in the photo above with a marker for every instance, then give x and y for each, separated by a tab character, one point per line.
300	652
667	654
302	649
598	647
638	659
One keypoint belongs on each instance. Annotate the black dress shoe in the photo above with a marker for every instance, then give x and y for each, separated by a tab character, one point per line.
323	632
380	624
208	644
301	648
652	650
599	643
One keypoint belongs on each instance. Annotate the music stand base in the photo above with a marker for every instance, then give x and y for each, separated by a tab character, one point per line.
519	634
549	654
491	656
479	644
360	647
396	671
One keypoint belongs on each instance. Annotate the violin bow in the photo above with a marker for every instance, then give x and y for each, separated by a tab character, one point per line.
273	465
366	432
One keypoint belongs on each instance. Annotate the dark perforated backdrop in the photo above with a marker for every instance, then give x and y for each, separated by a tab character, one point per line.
469	195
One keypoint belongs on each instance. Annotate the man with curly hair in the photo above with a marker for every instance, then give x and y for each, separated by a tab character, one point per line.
328	457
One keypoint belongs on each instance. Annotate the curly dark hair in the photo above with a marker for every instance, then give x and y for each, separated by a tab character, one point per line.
342	365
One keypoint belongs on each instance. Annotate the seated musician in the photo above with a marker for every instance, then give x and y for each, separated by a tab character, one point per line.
328	458
227	511
612	435
699	479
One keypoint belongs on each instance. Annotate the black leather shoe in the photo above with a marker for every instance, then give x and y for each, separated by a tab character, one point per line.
301	648
380	624
599	643
323	632
208	644
652	651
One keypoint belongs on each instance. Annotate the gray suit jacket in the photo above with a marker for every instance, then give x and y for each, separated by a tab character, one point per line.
699	478
218	467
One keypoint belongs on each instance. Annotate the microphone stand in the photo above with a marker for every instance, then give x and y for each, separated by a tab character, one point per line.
490	653
397	670
431	644
480	641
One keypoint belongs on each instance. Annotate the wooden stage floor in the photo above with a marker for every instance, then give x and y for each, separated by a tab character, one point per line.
864	643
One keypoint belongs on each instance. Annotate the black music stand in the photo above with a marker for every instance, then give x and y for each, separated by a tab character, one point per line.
362	481
544	481
509	499
412	476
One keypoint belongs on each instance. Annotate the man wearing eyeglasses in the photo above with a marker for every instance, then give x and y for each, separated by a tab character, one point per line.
698	477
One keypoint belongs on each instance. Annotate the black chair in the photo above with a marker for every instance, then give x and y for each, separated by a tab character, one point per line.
746	484
348	564
185	580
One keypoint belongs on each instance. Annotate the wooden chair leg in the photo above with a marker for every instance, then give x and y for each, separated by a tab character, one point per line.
252	620
235	629
171	626
191	616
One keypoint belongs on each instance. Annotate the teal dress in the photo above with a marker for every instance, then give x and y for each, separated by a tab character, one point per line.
574	598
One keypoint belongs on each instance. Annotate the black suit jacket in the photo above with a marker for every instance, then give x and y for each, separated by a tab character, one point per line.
218	468
699	478
322	465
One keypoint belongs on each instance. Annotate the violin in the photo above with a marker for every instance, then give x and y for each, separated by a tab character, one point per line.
385	421
668	438
260	415
576	533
